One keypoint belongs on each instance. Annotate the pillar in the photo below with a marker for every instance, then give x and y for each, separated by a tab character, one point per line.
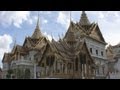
35	70
66	68
85	70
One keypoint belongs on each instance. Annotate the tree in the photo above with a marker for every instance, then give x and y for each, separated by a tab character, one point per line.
9	73
27	74
8	76
18	73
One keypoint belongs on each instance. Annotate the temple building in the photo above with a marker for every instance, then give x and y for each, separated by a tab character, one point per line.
80	54
94	39
20	62
113	55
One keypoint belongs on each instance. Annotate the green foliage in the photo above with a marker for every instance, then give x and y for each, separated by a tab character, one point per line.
8	76
27	74
10	71
18	73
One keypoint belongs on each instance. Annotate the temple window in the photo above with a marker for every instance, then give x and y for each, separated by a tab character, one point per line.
42	64
84	58
30	58
50	60
98	71
47	61
103	70
81	59
96	52
69	66
58	67
91	50
76	64
89	62
63	67
101	53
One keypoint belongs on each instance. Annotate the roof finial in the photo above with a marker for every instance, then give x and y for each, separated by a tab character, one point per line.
37	33
70	16
83	12
84	19
38	21
14	40
62	35
59	36
52	35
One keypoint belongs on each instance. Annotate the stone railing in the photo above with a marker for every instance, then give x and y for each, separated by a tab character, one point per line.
101	57
22	62
100	76
114	75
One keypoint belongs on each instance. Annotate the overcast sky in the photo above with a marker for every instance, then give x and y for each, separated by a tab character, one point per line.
19	24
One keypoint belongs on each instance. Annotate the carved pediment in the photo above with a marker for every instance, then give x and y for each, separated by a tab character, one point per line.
96	34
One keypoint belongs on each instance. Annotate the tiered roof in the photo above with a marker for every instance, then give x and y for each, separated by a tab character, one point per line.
85	28
84	19
36	42
62	49
37	33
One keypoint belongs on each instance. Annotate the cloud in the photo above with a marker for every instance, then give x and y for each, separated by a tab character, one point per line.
45	12
63	19
48	36
45	21
16	18
5	42
110	27
108	22
42	20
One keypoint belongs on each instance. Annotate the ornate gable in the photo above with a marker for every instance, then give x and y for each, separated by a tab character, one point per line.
96	34
6	57
37	40
13	50
71	28
27	42
85	50
41	43
47	50
109	52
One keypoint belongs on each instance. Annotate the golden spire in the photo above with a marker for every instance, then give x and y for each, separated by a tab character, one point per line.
15	40
38	21
83	12
59	36
84	19
62	35
37	33
70	26
70	16
52	36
